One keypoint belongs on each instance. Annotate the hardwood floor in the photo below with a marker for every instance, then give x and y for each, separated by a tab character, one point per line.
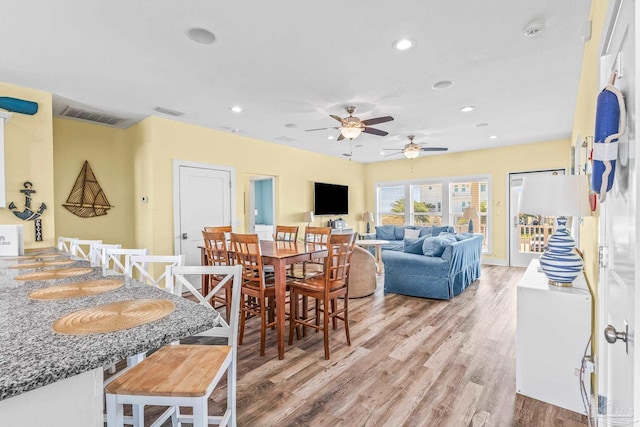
412	362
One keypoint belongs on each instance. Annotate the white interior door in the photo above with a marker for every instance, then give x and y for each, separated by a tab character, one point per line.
618	364
526	239
204	198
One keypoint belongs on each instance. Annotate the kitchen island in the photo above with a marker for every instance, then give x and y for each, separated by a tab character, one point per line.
47	378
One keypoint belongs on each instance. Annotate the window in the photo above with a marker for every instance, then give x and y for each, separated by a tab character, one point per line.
437	202
391	205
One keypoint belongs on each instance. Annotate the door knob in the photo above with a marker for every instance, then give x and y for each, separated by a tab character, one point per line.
611	335
184	236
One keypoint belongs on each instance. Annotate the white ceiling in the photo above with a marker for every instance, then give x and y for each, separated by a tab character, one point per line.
292	62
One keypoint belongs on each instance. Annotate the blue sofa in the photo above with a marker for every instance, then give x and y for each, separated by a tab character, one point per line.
395	234
451	264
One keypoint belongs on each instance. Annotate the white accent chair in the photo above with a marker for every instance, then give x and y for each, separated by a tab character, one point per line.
115	261
184	375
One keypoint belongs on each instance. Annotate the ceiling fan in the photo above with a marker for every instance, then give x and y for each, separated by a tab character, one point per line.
351	127
413	150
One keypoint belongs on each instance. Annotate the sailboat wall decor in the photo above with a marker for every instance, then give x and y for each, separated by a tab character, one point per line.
87	199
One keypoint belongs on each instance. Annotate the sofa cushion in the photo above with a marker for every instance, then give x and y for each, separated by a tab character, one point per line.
414	246
385	232
398	231
436	230
424	231
434	246
411	234
463	236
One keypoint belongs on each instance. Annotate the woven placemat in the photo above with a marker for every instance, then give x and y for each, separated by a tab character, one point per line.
59	273
28	257
43	264
74	290
113	317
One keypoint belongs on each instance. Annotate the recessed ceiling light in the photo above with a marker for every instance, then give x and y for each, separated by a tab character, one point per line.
404	44
467	108
291	125
200	35
493	137
482	125
444	84
330	137
236	109
382	153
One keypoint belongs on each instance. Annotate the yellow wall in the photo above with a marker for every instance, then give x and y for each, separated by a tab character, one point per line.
584	125
295	171
110	155
495	162
29	157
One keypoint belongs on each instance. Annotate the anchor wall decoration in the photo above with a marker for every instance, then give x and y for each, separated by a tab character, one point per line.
29	214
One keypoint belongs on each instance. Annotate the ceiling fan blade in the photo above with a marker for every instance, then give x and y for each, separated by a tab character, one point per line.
392	154
377	120
434	149
336	117
393	149
375	131
340	138
309	130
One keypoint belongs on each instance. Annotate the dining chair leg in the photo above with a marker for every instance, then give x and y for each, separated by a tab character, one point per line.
231	390
325	329
115	412
243	317
334	308
346	319
263	326
200	412
138	415
293	316
305	313
227	297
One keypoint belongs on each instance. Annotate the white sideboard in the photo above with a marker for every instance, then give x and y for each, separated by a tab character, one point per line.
553	329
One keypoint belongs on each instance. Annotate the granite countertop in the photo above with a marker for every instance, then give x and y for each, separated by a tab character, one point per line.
33	355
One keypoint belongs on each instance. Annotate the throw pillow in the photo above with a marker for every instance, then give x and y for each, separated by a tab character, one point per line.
425	231
434	246
411	234
449	237
385	232
414	246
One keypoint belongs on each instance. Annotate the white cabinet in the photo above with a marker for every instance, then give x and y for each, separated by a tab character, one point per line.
264	232
553	329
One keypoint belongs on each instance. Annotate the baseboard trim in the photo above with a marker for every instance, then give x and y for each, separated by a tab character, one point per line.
496	261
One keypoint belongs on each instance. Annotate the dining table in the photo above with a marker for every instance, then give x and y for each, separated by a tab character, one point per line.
48	358
280	254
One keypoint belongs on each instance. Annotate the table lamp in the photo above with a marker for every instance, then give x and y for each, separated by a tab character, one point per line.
560	196
368	218
308	217
470	213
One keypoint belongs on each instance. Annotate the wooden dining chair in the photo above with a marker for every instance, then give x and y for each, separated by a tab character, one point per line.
183	375
326	290
286	233
222	228
258	292
315	236
216	250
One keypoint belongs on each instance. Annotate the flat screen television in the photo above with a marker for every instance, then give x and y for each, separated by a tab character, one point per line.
331	199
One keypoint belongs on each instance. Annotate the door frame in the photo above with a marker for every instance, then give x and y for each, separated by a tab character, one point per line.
509	213
252	199
177	164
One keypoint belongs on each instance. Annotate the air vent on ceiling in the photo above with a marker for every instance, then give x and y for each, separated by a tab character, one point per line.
92	116
168	111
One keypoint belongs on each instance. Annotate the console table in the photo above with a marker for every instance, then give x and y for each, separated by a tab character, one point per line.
553	328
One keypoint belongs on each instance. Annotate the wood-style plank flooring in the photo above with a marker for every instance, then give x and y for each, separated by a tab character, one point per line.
412	362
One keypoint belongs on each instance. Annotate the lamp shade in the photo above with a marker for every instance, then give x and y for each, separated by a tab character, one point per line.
367	217
308	216
470	213
555	195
